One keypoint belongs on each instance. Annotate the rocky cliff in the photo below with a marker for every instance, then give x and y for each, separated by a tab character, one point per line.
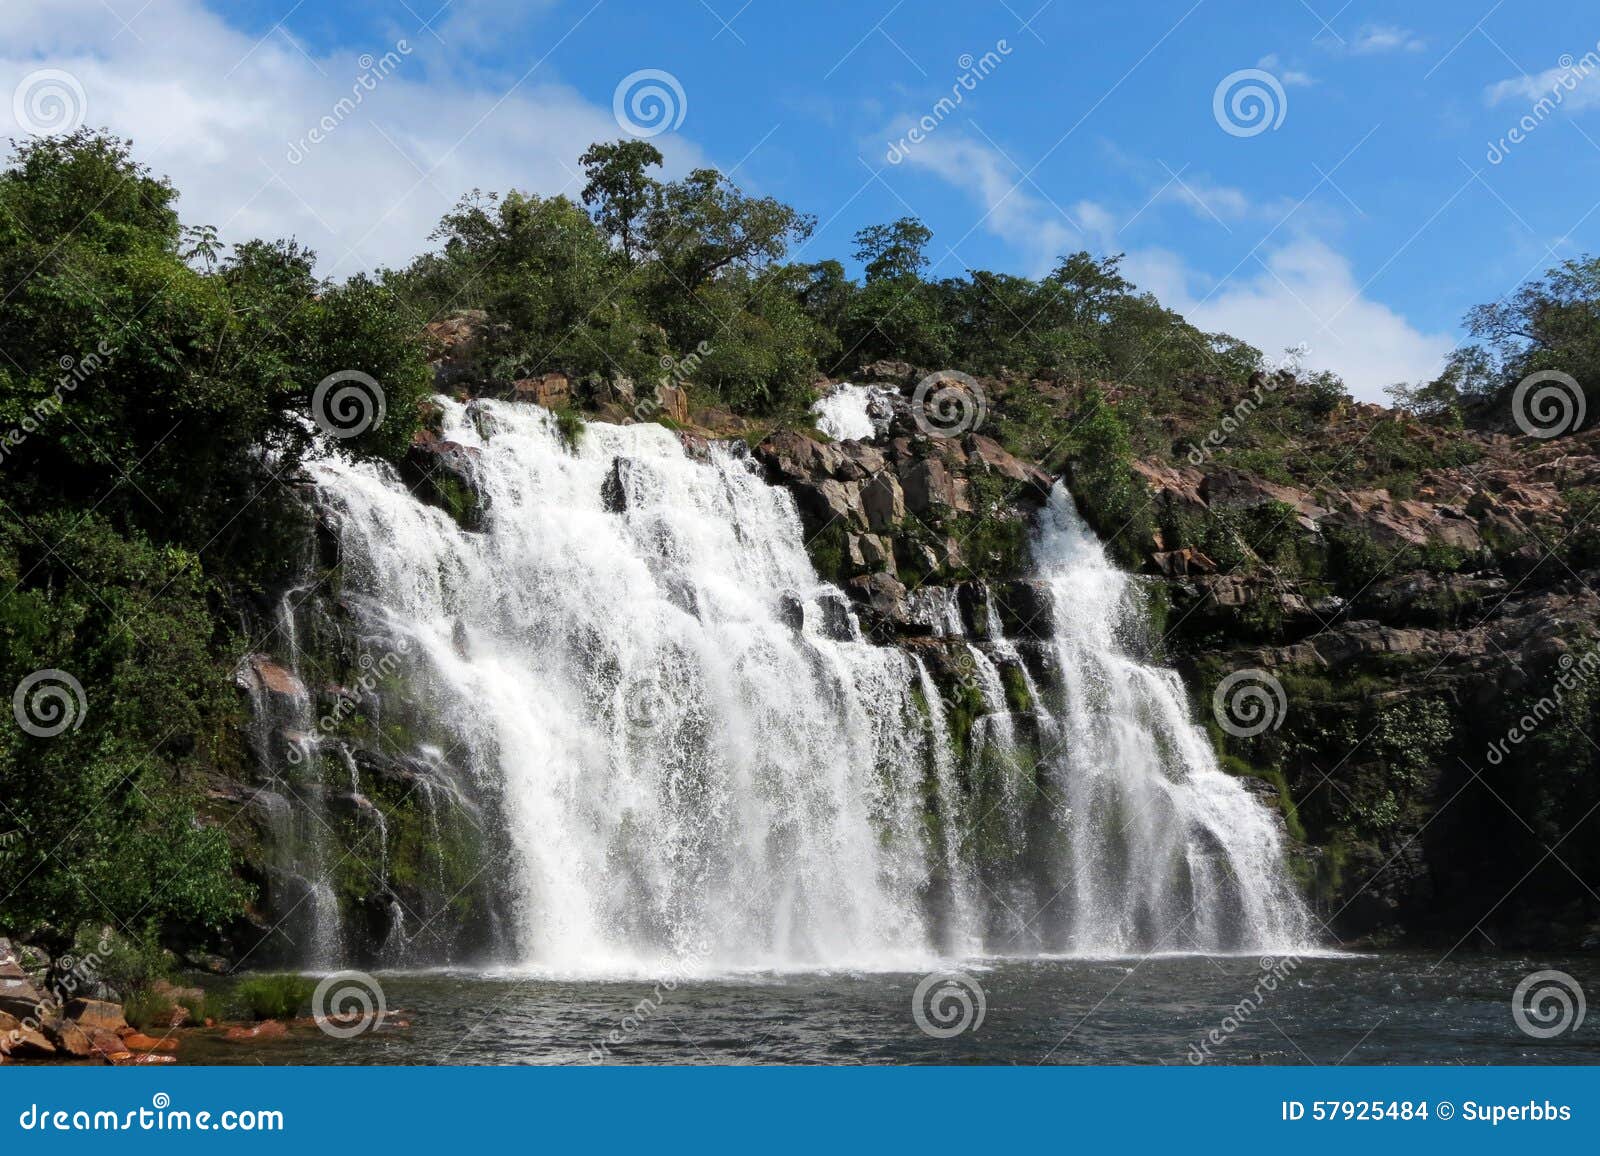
1403	670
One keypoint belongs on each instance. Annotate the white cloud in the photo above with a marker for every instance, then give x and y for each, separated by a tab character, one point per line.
1374	39
1288	77
219	111
1307	293
1574	88
1013	208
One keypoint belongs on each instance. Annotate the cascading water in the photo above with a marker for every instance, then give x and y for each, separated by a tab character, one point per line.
700	764
1163	850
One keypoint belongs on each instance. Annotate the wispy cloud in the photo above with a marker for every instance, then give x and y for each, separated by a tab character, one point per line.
1288	76
1013	209
1374	39
1575	88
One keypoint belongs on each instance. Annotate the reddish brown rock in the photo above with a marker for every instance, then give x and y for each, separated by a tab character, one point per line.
552	390
96	1014
265	1030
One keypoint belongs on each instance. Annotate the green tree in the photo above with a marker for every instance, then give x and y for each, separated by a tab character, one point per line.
620	189
893	251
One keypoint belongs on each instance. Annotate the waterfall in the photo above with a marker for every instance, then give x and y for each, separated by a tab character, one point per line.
696	757
1163	849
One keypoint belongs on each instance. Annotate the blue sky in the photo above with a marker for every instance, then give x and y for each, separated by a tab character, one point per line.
1363	223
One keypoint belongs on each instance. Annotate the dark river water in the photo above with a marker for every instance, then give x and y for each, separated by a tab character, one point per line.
1388	1008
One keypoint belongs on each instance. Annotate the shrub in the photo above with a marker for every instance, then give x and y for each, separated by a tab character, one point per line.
276	997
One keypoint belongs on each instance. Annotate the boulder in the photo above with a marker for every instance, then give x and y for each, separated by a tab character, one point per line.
97	1014
826	502
790	457
931	488
614	487
139	1042
552	390
883	501
991	457
18	996
1026	608
19	1041
70	1039
883	595
792	611
833	621
674	401
259	674
876	552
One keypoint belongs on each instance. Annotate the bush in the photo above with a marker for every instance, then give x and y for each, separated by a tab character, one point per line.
276	997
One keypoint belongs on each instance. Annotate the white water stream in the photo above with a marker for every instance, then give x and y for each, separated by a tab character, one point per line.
689	781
